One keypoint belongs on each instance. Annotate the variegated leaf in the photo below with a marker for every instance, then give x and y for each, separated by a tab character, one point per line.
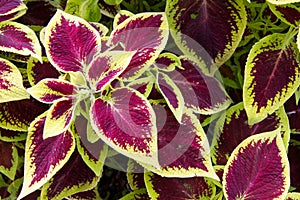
183	148
293	196
12	136
280	2
102	29
271	76
13	16
232	128
9	159
161	188
49	90
44	157
289	13
59	117
11	6
152	31
167	62
143	85
171	94
70	42
74	177
126	122
17	115
140	194
11	82
293	113
202	93
257	169
209	30
294	161
20	39
86	195
135	175
108	10
121	16
37	71
93	154
106	67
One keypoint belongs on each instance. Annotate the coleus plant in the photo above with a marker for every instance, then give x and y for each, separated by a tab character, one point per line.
133	93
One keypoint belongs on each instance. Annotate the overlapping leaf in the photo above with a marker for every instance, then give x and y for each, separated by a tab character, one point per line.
293	196
121	16
167	62
171	94
70	42
209	30
106	67
93	154
294	160
126	123
179	188
12	136
11	9
37	71
44	158
204	94
17	115
271	76
152	31
86	9
140	194
20	39
87	195
293	113
11	83
289	13
74	177
135	175
232	128
183	149
9	159
257	169
50	90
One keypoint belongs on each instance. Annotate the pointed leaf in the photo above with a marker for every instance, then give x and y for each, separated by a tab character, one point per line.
183	148
102	30
257	169
11	83
232	128
108	10
126	123
167	62
106	67
207	29
17	115
20	39
143	85
93	154
152	31
59	117
204	94
38	71
162	188
280	2
73	178
70	42
49	90
171	94
44	158
8	159
271	76
289	13
14	15
121	16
